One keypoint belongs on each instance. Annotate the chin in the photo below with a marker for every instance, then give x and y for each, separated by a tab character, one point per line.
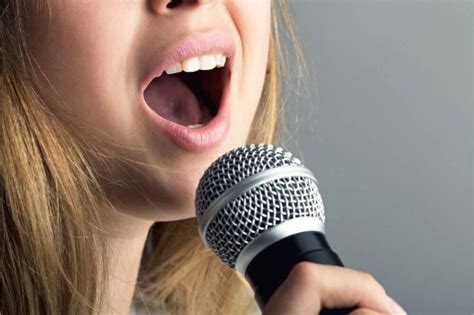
178	186
175	188
179	203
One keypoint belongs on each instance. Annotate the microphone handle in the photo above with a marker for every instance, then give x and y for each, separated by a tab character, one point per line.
267	271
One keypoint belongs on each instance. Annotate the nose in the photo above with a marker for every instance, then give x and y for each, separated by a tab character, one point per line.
164	6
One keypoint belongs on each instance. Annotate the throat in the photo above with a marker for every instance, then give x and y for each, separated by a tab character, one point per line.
197	83
179	99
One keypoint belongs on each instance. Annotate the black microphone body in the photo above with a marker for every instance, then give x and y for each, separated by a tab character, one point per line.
265	276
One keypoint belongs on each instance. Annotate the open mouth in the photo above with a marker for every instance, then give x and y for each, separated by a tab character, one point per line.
190	98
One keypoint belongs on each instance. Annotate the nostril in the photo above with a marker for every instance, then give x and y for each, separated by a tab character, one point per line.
174	3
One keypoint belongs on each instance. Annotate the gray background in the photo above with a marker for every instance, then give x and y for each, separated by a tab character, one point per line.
388	131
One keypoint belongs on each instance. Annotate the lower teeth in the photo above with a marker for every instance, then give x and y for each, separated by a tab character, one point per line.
195	126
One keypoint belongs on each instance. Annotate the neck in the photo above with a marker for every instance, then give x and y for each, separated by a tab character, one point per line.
126	237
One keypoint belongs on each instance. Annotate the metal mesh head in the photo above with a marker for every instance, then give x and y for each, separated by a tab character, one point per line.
236	165
250	213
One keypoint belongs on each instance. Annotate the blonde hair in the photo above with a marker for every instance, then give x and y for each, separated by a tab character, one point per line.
53	252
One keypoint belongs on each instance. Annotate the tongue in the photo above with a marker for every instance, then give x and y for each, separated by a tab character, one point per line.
170	98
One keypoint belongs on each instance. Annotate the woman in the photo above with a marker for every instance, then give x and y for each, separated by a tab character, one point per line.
110	113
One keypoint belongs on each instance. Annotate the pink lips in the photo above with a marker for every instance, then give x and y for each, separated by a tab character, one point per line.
215	131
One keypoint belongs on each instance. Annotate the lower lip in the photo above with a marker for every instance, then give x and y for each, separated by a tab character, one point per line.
197	139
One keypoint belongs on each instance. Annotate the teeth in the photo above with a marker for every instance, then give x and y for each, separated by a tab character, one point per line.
220	61
174	68
193	64
207	62
195	126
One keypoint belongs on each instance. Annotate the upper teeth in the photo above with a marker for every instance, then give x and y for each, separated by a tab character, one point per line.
205	62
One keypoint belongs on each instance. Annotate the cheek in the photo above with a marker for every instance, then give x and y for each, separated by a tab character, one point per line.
252	19
83	53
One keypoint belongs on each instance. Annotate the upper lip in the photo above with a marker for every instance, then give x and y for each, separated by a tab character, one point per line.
214	42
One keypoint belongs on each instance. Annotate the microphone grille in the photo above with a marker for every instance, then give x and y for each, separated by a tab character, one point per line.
236	165
257	209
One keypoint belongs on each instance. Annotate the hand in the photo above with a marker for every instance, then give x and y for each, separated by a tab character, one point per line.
311	287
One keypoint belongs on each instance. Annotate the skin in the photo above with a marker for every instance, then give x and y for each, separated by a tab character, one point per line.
94	55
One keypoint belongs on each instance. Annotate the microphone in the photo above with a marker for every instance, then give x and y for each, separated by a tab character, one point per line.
260	211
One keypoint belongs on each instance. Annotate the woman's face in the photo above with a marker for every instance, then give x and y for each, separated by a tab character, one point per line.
101	58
